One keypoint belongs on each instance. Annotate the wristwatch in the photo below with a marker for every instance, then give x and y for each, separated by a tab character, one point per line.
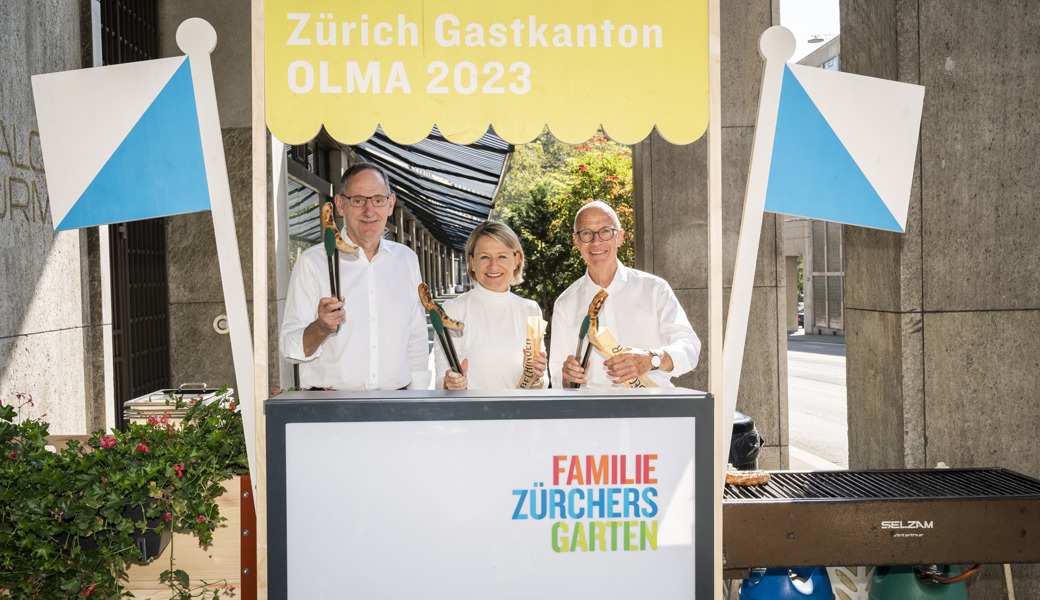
655	361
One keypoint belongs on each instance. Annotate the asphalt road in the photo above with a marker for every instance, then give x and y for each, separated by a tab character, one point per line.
817	416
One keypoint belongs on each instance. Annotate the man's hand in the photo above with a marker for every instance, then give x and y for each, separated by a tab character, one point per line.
632	363
330	316
572	372
457	381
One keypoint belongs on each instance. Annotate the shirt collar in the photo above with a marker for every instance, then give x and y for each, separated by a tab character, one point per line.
621	277
486	293
389	248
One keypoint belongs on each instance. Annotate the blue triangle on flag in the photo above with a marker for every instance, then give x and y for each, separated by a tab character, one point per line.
157	170
811	174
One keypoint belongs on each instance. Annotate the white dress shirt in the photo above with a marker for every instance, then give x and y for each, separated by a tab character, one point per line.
493	339
383	344
641	311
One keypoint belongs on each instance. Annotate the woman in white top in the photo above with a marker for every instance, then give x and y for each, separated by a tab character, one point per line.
492	345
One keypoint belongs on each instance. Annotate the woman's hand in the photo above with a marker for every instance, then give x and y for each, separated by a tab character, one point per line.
538	365
456	381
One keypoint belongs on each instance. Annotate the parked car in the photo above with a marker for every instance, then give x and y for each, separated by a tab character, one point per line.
801	314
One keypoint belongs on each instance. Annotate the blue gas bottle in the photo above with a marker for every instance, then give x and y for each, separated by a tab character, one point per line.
901	583
787	584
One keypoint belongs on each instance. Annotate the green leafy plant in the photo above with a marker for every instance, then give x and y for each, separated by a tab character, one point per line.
68	519
599	169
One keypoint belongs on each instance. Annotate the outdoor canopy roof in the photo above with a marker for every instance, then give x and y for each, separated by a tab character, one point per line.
448	187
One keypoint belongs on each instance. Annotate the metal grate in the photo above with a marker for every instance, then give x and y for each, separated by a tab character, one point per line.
129	31
140	298
876	485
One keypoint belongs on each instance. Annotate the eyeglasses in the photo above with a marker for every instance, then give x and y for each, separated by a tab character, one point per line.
606	234
359	201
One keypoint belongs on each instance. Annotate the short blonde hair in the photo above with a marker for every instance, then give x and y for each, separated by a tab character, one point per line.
501	233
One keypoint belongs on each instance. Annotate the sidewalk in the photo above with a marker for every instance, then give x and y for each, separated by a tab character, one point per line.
801	336
816	401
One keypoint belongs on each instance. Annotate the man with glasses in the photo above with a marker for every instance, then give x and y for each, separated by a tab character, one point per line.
641	312
374	336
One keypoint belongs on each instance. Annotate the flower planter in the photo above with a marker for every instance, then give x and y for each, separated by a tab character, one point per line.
150	543
231	556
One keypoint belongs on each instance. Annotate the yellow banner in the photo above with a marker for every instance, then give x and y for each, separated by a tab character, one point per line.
467	64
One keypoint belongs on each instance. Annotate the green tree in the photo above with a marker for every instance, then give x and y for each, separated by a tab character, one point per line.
552	261
542	161
601	170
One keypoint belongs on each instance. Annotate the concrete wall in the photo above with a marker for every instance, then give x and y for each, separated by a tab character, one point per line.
51	329
672	229
197	351
943	321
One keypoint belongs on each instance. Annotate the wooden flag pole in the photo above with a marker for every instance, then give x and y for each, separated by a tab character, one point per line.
777	45
260	337
715	275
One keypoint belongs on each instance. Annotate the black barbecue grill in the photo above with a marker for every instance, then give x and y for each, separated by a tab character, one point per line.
905	517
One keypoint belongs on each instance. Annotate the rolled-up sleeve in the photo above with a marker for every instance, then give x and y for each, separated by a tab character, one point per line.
301	309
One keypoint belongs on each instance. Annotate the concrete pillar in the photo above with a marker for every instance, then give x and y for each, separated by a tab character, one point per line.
411	236
53	321
440	268
445	272
427	275
434	267
453	280
671	188
943	321
422	256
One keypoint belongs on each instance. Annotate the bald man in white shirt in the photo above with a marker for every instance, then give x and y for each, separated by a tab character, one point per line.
375	336
641	312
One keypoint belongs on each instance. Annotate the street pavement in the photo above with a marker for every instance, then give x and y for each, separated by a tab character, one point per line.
816	401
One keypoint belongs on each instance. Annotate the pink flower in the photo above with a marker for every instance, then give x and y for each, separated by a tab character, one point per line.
142	448
167	516
201	518
232	406
107	441
179	469
13	454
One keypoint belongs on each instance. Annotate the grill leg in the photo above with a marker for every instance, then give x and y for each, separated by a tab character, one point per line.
1007	579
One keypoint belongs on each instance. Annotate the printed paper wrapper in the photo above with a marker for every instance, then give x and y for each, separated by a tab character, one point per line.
535	332
605	342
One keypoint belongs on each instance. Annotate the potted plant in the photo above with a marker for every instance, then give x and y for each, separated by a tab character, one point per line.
72	520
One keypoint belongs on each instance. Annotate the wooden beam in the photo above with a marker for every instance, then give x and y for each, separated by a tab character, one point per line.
260	319
715	274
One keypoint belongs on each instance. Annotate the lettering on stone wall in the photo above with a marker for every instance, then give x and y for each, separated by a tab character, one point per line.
23	190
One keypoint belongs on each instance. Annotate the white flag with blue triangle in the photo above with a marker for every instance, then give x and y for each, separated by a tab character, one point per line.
121	143
844	147
828	145
143	140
